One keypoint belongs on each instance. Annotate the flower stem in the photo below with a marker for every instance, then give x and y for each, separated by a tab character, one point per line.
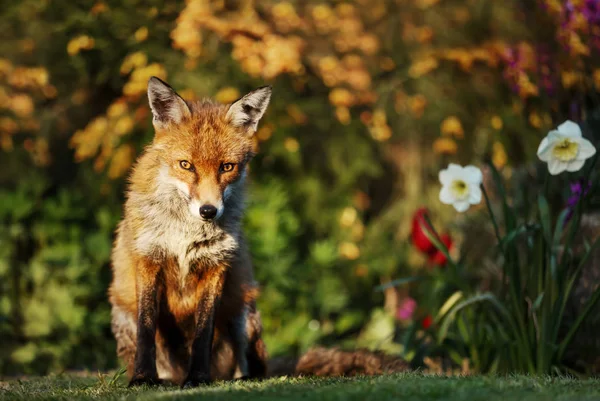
494	221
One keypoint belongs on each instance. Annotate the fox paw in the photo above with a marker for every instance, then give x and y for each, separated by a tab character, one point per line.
195	381
140	380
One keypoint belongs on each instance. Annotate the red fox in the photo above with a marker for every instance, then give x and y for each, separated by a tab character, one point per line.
183	286
183	293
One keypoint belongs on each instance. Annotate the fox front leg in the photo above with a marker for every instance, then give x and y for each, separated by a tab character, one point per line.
199	372
239	336
144	371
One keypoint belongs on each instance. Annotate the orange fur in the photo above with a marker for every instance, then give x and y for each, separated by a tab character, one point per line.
171	268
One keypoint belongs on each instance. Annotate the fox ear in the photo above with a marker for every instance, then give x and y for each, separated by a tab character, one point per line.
167	106
247	111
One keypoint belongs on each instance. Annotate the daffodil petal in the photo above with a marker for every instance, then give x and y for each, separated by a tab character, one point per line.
570	129
454	168
474	194
544	148
545	155
446	196
461	206
555	166
575	165
472	175
586	149
445	177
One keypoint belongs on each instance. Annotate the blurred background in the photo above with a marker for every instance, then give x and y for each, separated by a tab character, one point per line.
371	99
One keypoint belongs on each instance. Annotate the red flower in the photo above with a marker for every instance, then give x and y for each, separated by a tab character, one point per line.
437	257
426	322
419	239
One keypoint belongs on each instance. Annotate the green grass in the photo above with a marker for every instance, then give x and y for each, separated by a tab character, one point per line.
405	387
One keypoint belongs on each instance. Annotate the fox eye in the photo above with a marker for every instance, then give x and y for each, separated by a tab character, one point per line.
227	167
186	165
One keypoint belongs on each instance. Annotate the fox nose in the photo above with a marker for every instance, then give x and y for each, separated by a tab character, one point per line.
208	212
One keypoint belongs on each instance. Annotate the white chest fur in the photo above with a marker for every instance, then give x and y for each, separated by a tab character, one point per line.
187	239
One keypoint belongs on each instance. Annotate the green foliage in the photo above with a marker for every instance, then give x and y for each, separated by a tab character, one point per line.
54	264
520	324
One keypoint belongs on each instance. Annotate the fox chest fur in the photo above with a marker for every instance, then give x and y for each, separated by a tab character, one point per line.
190	246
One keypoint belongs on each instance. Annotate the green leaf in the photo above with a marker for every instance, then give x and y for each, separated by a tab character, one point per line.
558	230
512	235
545	219
486	297
538	301
450	302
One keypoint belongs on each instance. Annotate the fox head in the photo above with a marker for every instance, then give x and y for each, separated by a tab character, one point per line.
202	148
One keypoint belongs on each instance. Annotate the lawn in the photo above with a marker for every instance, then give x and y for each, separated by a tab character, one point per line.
407	386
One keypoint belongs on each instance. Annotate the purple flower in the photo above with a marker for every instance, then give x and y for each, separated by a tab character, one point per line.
406	309
579	189
591	11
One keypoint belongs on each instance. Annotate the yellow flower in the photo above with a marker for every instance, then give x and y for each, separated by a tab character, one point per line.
369	44
99	8
445	146
499	157
296	114
73	47
535	120
79	43
124	125
597	78
5	66
422	67
349	250
343	115
381	132
141	34
359	79
358	231
139	79
569	79
120	162
22	105
526	87
321	12
351	61
227	95
328	64
577	46
417	105
379	117
348	217
133	61
283	10
291	145
8	125
116	109
345	10
341	97
496	123
452	126
424	34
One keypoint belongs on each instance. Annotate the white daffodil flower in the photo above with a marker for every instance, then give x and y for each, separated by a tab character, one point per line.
460	186
565	149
